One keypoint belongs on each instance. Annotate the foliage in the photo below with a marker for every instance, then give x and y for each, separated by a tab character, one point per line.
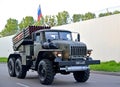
0	34
50	20
81	17
116	12
101	14
28	20
105	14
46	20
110	66
10	28
62	18
77	17
89	15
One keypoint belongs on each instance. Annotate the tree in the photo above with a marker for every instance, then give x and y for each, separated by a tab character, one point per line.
0	35
27	21
65	17
105	14
46	20
59	19
101	15
50	20
10	28
62	18
89	15
108	13
116	12
78	17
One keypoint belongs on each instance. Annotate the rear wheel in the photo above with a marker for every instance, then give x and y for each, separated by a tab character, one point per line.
46	72
81	76
11	67
20	70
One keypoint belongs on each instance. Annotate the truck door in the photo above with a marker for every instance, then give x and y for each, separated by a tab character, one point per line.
37	44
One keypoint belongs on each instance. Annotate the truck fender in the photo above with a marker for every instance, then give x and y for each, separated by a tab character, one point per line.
14	56
41	55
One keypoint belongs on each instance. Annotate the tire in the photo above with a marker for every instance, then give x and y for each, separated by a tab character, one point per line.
46	72
81	76
20	70
11	67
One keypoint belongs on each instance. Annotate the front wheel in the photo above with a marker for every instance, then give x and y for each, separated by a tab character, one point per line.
19	69
46	72
81	76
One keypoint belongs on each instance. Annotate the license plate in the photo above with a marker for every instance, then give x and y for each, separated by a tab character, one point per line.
80	62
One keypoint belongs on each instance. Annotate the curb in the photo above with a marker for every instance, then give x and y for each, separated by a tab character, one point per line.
3	63
106	73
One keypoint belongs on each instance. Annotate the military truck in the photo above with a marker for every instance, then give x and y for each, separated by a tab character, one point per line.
49	51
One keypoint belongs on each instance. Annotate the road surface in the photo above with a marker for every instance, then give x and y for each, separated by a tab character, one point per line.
31	80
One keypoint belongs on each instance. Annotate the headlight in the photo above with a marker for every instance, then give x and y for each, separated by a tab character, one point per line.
89	51
58	54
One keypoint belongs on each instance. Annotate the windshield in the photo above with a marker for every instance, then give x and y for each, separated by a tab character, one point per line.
62	35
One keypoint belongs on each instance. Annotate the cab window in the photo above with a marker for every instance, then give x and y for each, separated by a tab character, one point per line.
37	38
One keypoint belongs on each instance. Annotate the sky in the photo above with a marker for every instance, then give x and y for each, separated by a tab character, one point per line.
21	8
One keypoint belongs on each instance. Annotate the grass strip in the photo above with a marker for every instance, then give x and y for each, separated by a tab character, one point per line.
109	66
3	59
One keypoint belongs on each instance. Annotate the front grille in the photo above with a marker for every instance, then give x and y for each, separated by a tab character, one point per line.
78	50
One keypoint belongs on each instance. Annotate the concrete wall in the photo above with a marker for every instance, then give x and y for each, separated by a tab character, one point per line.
100	34
6	46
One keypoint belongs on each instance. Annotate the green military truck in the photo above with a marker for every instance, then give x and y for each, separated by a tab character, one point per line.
49	51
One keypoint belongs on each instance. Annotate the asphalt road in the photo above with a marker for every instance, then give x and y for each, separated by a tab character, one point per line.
31	80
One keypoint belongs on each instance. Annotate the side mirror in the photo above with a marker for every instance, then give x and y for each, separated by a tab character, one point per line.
78	37
49	40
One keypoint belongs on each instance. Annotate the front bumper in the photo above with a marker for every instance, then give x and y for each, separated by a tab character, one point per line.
78	62
78	65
